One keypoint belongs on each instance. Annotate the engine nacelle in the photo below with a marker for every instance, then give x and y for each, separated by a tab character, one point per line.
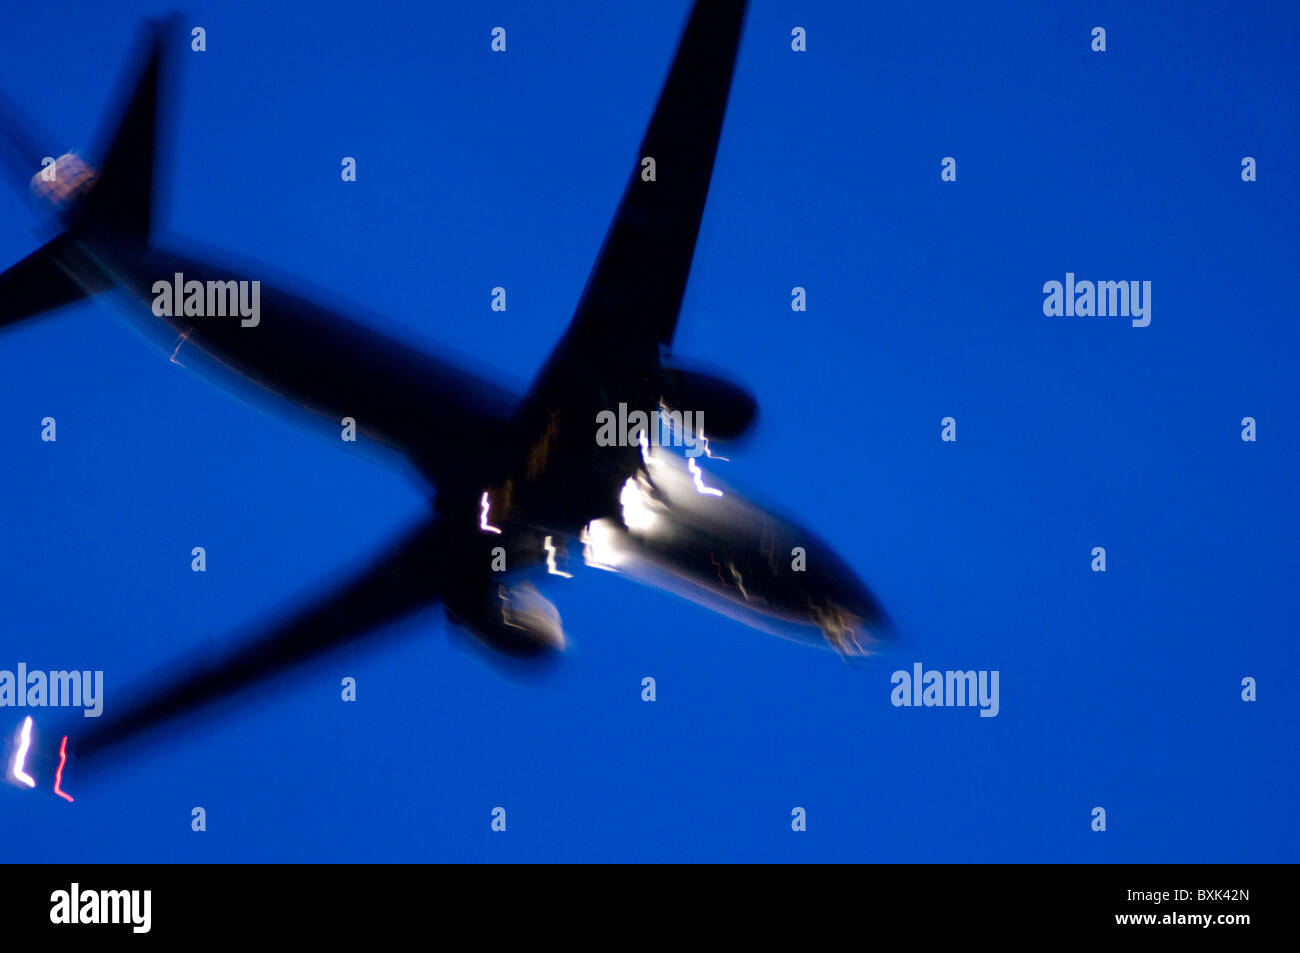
729	410
514	620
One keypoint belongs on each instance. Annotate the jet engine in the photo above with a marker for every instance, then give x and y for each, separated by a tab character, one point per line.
514	620
728	409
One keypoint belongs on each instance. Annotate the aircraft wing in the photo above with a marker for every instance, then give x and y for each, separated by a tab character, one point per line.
630	305
402	580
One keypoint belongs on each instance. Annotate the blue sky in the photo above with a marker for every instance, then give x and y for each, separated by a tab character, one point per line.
1119	690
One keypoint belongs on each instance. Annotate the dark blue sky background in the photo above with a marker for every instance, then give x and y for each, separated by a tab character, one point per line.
924	300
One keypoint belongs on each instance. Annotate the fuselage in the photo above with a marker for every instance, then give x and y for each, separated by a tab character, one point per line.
665	522
428	409
685	530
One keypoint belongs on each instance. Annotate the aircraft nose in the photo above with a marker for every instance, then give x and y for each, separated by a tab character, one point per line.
848	612
852	593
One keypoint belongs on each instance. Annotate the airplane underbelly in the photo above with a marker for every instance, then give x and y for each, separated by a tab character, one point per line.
256	340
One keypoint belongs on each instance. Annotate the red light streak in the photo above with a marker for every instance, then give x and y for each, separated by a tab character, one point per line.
58	775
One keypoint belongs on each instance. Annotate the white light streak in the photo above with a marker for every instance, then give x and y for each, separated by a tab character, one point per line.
700	438
645	449
699	480
482	520
20	756
736	577
550	560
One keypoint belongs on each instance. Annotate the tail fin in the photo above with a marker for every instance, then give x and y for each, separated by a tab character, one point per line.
123	194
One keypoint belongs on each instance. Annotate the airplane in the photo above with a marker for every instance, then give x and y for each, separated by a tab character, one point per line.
537	484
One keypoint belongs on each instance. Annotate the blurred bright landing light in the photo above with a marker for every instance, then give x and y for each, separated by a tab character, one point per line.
637	514
600	548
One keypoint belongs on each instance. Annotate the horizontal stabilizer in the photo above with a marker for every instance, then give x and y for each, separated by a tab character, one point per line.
39	283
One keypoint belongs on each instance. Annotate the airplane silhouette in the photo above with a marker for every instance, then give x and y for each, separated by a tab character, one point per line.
537	482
